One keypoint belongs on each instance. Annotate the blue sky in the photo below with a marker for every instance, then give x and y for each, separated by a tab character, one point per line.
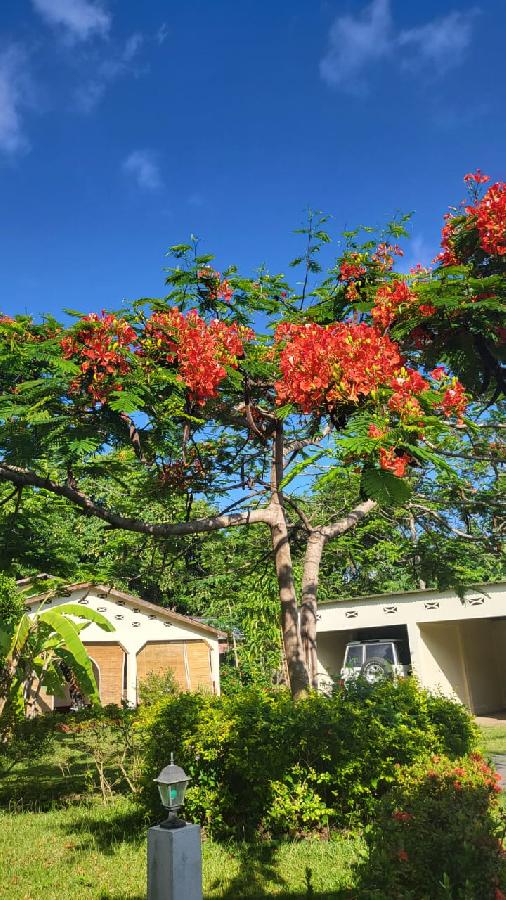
124	126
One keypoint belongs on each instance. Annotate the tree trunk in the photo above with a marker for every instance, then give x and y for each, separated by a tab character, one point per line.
7	675
310	578
297	671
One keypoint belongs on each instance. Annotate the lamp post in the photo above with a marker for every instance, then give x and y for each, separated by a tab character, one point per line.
172	782
174	847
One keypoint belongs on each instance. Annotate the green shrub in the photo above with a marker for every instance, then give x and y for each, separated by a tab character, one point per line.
154	687
453	725
435	835
253	755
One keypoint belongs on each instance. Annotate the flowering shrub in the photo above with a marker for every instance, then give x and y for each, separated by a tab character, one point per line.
435	834
259	761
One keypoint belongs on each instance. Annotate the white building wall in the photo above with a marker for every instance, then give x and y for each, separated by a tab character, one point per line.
134	627
457	647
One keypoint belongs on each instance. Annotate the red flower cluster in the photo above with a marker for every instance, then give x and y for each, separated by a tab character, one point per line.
447	257
394	461
200	351
389	301
384	255
322	366
351	271
407	384
490	214
454	402
478	177
101	345
213	284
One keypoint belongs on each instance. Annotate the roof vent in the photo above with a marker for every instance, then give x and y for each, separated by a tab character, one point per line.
389	609
432	604
351	614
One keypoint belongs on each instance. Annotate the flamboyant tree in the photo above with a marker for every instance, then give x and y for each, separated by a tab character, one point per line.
241	391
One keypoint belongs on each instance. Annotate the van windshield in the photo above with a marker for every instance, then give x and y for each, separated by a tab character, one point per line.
383	651
354	656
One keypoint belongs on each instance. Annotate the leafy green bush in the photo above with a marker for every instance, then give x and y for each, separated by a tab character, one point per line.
454	727
154	687
435	835
254	755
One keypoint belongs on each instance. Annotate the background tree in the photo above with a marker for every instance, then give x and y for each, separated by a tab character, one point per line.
196	404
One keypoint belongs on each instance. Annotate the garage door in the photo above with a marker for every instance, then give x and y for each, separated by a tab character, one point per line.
189	661
109	661
199	664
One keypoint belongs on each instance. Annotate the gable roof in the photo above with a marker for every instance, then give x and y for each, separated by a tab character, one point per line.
103	590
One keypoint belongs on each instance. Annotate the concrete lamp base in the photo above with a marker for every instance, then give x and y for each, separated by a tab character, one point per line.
174	863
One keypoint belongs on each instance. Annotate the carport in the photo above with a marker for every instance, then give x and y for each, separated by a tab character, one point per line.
466	659
457	647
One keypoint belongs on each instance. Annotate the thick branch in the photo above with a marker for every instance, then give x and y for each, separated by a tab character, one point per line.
349	521
26	478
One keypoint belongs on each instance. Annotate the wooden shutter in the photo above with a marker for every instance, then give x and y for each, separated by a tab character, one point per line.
156	657
199	665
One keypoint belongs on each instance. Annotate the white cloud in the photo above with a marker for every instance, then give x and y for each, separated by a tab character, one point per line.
14	94
79	19
441	43
143	167
162	33
356	43
107	70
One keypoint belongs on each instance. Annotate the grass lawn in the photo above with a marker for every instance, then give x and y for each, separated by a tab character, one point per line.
493	738
95	851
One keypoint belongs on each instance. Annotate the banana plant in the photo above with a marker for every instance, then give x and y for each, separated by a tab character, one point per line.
36	651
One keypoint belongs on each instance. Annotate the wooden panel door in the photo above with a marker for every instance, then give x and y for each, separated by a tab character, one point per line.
199	664
158	656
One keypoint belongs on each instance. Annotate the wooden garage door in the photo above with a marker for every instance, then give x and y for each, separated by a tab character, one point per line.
199	664
189	660
109	659
158	656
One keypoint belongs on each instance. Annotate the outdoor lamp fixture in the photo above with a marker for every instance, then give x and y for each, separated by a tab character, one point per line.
172	782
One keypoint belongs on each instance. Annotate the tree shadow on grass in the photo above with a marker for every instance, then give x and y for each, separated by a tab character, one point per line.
257	870
105	832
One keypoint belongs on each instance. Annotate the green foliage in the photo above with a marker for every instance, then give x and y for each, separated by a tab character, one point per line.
254	755
38	651
108	738
436	835
11	603
155	688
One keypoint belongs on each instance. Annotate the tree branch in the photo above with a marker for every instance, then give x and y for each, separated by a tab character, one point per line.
26	478
442	521
361	511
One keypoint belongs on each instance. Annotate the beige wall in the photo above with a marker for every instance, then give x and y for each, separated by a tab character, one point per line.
466	660
331	647
440	659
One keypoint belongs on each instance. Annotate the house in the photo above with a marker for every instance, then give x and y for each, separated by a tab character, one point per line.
147	639
457	647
